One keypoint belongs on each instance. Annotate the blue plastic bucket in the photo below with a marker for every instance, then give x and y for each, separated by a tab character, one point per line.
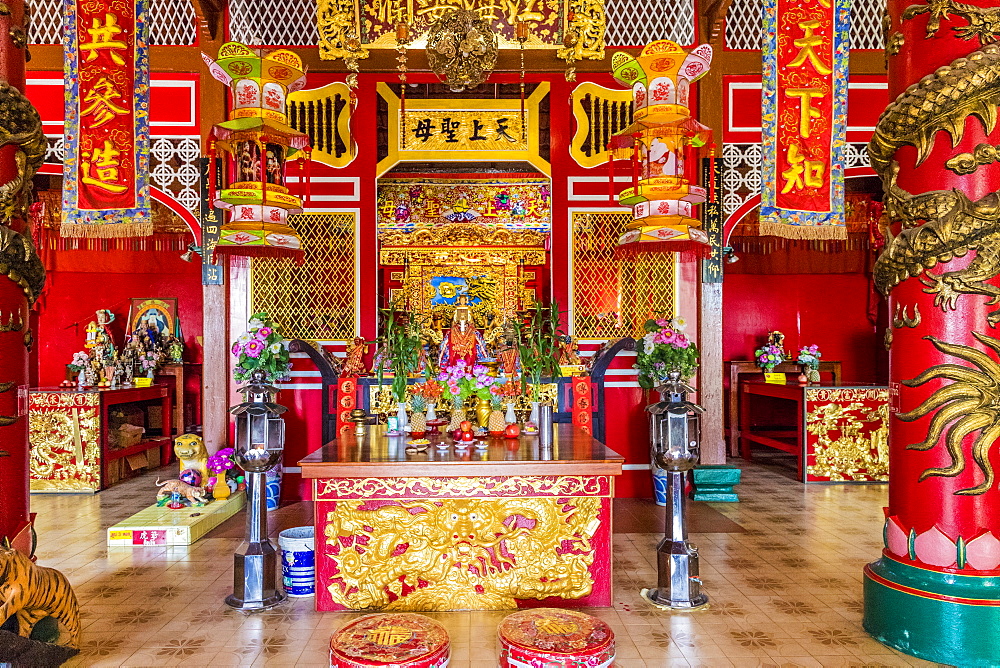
298	561
659	486
272	489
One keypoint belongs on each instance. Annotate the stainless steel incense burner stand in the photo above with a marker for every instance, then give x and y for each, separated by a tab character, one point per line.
675	433
260	439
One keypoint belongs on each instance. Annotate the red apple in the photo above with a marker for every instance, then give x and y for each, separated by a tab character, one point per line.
465	425
512	431
467	436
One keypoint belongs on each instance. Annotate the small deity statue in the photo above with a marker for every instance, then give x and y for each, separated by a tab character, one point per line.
463	341
354	363
100	345
569	351
507	352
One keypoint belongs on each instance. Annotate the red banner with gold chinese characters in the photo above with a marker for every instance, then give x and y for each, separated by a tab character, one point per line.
106	166
805	118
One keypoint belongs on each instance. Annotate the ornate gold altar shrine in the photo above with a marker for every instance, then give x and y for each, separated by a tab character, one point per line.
479	529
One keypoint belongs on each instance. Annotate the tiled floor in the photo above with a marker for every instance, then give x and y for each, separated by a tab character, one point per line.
786	592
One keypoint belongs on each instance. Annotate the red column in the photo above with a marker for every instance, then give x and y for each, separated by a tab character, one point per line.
936	586
940	454
21	272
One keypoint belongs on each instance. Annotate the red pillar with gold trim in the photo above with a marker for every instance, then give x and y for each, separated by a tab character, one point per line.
936	589
22	150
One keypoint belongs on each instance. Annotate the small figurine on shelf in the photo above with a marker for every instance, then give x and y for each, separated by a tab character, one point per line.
195	496
569	351
354	363
192	454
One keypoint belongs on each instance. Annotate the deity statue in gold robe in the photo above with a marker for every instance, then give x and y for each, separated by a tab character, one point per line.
463	340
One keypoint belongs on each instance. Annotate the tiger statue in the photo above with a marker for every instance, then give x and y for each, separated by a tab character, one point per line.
31	593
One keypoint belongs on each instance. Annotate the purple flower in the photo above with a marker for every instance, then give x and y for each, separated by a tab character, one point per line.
254	348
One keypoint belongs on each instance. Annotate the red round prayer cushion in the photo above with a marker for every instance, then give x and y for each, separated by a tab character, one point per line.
553	637
396	639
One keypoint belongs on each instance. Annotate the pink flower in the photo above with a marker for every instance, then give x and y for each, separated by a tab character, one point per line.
264	332
662	323
237	349
253	348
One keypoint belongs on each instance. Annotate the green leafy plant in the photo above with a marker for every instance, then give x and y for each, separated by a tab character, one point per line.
399	350
538	346
664	348
261	348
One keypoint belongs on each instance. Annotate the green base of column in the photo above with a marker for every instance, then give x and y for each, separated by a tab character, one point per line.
715	482
941	617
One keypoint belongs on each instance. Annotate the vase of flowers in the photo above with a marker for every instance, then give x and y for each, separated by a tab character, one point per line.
261	348
769	356
663	349
463	381
219	465
809	360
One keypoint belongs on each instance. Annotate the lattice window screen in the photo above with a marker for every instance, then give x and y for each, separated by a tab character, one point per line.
866	24
314	301
292	23
613	298
632	23
171	22
45	22
743	24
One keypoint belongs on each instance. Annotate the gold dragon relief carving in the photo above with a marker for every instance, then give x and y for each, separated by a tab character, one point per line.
460	554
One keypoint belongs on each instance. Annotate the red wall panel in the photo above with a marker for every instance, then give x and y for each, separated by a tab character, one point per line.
82	281
830	310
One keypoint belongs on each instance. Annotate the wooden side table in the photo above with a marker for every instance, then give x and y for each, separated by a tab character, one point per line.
841	434
737	368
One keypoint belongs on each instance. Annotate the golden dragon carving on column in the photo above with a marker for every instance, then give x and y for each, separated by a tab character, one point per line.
942	224
938	226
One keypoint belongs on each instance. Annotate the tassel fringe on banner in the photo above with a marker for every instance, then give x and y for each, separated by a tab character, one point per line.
830	232
687	249
236	253
106	231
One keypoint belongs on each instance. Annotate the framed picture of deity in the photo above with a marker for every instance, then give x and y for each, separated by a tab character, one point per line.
159	313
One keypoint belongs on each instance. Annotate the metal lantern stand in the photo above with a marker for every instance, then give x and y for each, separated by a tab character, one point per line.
260	438
674	431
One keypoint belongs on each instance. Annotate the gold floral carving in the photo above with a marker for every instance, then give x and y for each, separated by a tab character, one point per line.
967	404
587	24
460	554
462	487
461	49
855	454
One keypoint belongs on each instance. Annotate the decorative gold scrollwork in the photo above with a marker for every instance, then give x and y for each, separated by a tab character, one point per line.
461	49
967	163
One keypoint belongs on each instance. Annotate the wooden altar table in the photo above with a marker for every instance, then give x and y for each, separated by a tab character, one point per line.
508	526
840	433
738	369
